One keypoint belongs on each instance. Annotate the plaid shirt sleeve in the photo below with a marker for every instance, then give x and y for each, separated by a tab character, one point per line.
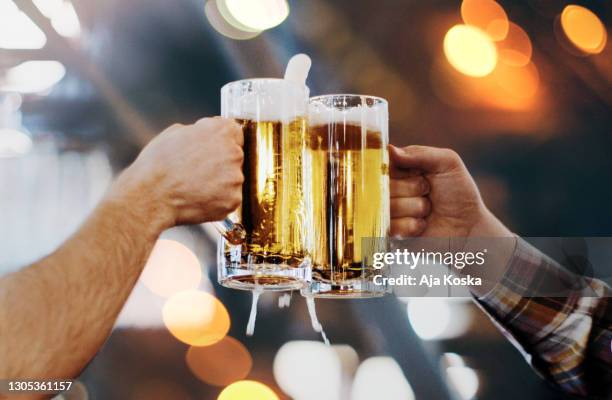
567	340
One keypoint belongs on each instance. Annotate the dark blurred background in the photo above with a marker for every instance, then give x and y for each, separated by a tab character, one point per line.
84	85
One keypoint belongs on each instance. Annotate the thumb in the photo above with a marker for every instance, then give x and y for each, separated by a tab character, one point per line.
425	158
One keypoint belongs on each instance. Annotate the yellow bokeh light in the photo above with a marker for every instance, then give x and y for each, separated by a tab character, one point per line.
470	50
487	15
254	15
171	268
196	318
251	390
520	83
220	364
221	25
516	48
584	29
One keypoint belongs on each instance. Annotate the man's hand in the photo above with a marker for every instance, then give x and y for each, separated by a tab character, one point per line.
56	313
433	194
192	172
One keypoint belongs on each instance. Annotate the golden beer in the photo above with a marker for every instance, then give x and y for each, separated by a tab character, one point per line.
275	216
349	191
347	152
273	209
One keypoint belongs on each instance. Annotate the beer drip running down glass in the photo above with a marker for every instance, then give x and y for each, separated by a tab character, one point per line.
349	191
275	214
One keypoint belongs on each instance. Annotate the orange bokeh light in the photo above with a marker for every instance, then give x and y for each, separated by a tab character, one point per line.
487	15
171	268
196	318
584	29
516	48
250	390
519	86
520	82
470	50
220	364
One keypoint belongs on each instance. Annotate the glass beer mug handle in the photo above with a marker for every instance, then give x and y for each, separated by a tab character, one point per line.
231	231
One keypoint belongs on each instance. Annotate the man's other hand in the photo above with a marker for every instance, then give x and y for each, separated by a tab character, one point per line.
433	194
189	173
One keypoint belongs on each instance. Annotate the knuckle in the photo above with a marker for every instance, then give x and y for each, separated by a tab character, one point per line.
452	155
238	178
407	226
203	121
423	186
419	226
173	127
425	206
235	200
238	153
414	226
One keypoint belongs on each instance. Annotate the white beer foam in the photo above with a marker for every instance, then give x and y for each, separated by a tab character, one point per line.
372	117
280	103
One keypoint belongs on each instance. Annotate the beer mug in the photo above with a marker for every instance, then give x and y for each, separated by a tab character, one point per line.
274	214
349	190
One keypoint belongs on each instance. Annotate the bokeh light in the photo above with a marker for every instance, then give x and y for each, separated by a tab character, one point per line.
196	318
14	143
317	363
381	378
516	48
17	31
470	50
464	380
33	77
171	268
220	24
420	311
251	390
254	15
487	15
62	15
520	83
349	359
453	317
584	29
220	364
349	362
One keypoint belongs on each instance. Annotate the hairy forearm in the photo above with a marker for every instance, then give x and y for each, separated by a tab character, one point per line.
56	313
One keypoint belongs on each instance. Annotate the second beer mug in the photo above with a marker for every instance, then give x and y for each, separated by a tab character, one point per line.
348	138
274	213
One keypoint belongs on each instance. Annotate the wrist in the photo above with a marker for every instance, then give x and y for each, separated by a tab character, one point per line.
488	226
491	234
142	200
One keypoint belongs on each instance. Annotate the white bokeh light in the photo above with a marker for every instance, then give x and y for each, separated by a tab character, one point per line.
63	17
254	15
381	378
435	318
429	317
17	31
221	25
464	380
308	370
33	77
14	143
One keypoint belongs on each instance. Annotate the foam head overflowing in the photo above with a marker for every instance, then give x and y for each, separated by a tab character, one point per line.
297	69
367	112
264	100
